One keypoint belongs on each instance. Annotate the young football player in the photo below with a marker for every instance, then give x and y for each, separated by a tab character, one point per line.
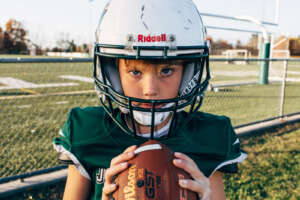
151	71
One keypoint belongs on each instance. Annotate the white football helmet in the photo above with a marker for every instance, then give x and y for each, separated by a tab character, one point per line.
155	30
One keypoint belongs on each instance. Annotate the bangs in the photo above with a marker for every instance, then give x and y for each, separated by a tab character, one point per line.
155	62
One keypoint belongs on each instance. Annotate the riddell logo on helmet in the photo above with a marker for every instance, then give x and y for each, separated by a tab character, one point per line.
152	38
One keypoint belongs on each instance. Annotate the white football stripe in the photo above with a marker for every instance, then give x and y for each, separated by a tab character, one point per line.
147	147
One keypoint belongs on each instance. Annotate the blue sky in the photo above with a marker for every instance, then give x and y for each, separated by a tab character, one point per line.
49	20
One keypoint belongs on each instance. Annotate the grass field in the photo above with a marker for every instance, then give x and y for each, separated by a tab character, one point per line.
272	168
32	117
270	172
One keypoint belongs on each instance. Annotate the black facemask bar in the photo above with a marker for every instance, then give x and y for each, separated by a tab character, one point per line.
119	100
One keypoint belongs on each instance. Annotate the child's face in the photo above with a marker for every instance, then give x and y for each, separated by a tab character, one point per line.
150	80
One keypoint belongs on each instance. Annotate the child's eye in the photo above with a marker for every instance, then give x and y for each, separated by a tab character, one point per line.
166	71
135	72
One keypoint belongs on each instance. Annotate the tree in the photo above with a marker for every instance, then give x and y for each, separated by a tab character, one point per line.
15	40
222	44
72	46
239	44
1	39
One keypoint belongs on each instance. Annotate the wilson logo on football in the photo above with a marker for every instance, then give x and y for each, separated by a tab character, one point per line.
129	189
183	191
152	38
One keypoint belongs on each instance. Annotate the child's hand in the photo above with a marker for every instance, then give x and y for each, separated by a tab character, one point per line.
117	165
199	183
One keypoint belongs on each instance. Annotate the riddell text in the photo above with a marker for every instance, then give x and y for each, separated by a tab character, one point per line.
151	38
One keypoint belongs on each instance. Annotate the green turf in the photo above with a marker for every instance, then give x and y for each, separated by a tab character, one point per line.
253	66
221	79
244	104
20	56
27	56
271	170
29	127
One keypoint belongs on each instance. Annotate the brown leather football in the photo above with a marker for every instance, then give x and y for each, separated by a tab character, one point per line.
152	175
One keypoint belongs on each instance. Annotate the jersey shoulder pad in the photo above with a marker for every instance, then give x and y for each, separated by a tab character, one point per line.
85	124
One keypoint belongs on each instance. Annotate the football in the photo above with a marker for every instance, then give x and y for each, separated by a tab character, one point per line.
152	175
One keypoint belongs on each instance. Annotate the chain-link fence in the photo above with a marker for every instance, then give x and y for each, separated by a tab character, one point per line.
36	95
235	90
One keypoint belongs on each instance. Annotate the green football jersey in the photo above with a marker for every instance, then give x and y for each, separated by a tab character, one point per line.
91	139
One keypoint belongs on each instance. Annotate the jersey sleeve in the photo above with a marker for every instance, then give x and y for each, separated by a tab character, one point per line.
63	145
234	154
211	142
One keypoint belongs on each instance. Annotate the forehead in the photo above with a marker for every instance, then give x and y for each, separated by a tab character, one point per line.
131	62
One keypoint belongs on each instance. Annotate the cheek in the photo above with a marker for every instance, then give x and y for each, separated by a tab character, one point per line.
170	87
130	86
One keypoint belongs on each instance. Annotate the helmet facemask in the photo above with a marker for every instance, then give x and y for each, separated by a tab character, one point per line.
108	85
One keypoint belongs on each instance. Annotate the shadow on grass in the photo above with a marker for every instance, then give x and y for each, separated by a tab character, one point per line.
260	137
14	93
52	192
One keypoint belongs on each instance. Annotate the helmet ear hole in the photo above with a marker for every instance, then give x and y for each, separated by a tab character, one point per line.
188	73
112	75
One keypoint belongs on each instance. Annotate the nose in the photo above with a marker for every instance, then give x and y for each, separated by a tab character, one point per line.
150	86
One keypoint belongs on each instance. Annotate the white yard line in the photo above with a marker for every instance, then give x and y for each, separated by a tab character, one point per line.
61	102
12	83
78	78
16	83
47	95
287	79
293	72
234	73
25	106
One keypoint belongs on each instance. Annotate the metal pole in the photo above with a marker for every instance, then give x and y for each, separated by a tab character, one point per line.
285	66
264	66
234	18
265	49
271	50
277	12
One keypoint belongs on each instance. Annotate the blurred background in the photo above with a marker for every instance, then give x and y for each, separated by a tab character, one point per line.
46	50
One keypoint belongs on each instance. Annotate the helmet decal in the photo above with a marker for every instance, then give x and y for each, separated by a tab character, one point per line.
152	38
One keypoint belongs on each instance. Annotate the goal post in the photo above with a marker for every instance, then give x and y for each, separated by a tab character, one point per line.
237	53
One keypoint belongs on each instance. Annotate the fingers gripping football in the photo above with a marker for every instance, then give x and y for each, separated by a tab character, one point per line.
200	183
117	165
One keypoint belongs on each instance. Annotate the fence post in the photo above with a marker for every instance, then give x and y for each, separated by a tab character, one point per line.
285	66
264	66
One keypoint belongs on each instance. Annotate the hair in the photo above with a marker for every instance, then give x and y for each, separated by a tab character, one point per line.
156	62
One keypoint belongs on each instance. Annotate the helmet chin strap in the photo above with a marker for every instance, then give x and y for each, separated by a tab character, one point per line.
144	118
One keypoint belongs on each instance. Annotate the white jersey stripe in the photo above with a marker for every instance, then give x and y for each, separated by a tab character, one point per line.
239	159
78	165
61	133
236	141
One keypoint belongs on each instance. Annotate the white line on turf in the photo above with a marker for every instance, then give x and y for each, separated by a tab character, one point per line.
62	102
78	78
12	83
25	106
